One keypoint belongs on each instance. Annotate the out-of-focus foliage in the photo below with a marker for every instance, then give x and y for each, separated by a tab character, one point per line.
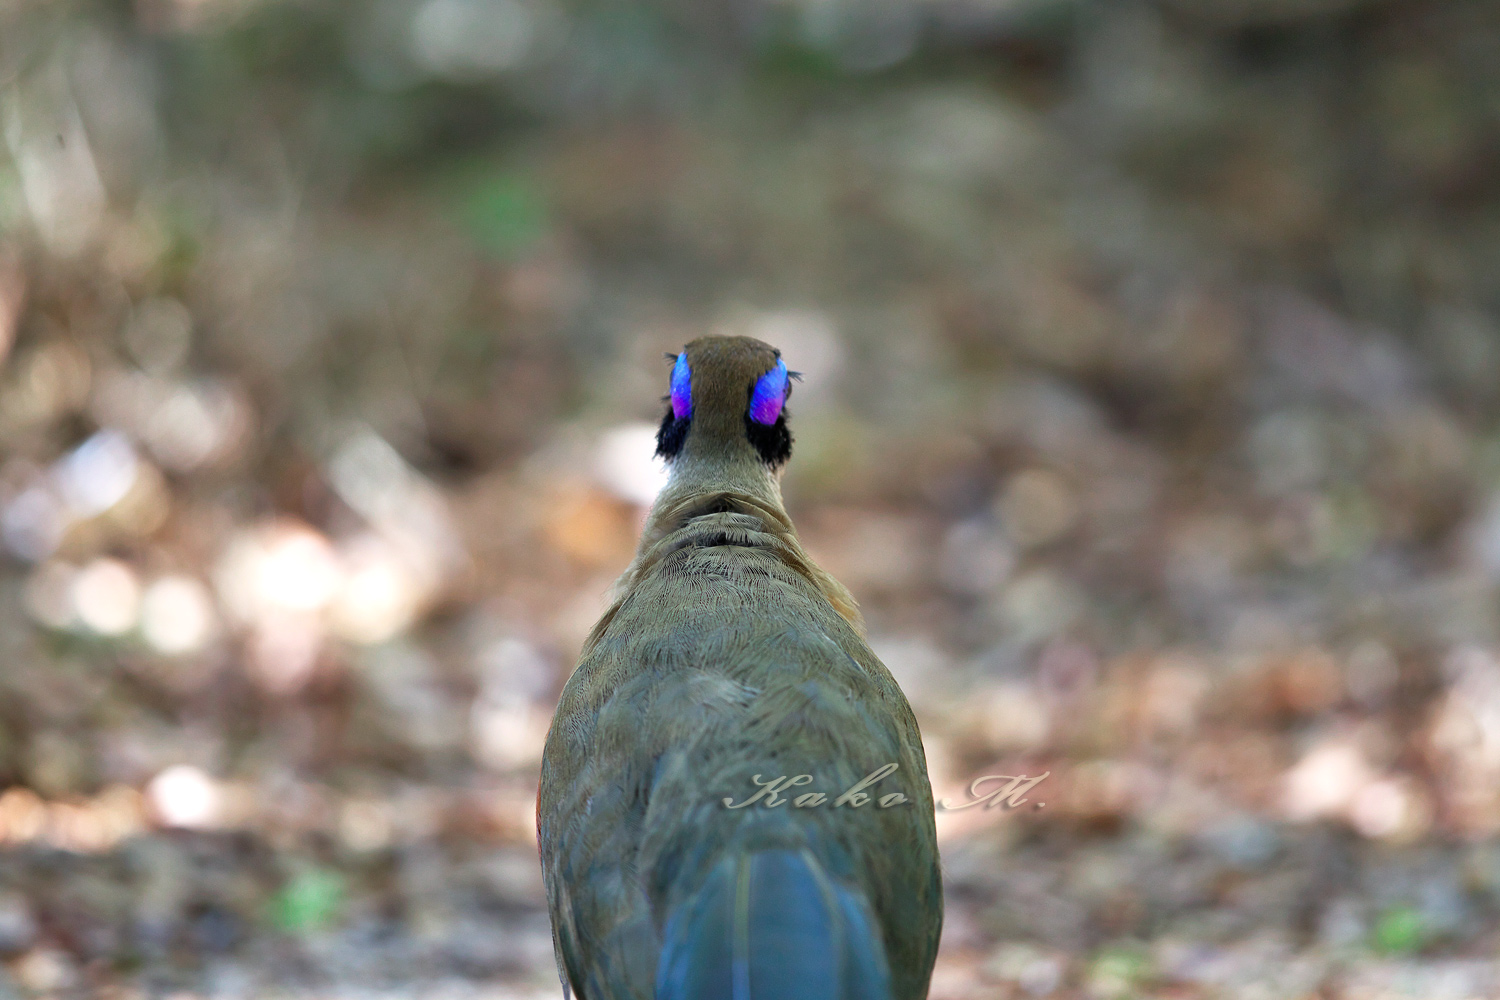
1150	410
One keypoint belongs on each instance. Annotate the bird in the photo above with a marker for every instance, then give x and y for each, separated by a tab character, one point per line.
733	800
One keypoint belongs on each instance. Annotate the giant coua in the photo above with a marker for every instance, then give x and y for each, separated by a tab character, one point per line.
718	816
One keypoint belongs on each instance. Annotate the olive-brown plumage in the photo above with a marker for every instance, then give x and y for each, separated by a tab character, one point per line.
728	657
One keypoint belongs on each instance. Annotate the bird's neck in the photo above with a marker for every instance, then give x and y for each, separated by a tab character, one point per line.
694	473
700	478
705	483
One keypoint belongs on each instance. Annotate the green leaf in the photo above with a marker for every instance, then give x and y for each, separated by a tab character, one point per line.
1400	932
309	901
1118	971
506	214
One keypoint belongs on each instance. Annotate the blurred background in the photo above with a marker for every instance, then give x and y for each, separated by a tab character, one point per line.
1151	411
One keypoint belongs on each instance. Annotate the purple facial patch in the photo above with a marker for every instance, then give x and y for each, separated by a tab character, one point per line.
769	395
682	388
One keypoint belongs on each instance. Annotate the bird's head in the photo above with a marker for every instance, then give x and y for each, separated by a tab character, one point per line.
725	436
726	409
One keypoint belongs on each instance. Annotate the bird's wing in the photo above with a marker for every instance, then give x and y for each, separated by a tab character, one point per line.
771	925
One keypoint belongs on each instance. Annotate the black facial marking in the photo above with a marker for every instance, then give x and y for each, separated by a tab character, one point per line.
772	441
671	434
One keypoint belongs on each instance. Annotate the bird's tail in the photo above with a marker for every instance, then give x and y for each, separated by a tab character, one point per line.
771	925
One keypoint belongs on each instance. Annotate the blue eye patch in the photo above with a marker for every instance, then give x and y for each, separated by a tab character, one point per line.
682	388
769	395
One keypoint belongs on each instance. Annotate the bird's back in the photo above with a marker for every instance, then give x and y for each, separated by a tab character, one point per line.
726	665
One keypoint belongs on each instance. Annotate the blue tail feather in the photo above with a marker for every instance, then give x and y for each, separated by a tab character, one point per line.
770	925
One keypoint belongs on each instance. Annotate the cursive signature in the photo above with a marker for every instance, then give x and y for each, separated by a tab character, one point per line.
1010	796
770	792
855	795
